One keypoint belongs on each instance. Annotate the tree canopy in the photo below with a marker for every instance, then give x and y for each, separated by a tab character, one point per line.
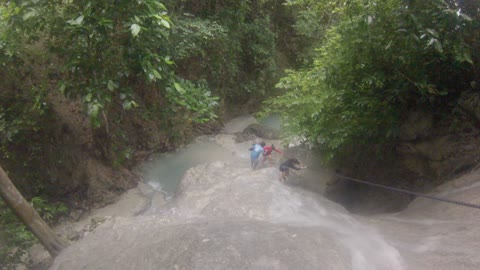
376	61
339	72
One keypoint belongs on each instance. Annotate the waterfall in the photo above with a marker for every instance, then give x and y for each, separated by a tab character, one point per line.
221	214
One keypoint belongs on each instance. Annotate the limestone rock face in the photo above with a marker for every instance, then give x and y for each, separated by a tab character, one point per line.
262	131
226	216
438	151
440	157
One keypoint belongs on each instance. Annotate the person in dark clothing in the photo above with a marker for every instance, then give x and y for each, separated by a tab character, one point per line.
291	163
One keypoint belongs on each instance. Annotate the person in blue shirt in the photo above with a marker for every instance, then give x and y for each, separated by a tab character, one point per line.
256	151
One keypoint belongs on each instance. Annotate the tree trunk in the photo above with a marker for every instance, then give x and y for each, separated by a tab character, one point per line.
29	216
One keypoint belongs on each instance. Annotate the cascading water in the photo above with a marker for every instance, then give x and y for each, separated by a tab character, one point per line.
164	172
223	215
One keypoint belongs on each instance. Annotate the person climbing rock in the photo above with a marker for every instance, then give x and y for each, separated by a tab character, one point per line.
267	153
291	163
256	151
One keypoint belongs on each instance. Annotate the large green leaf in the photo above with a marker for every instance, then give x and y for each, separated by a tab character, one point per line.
77	21
135	29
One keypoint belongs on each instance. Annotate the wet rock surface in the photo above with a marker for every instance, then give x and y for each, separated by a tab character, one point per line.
261	131
438	235
226	216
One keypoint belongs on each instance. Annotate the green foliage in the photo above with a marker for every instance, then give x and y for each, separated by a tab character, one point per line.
193	36
378	61
23	107
312	20
106	45
107	49
192	97
16	238
107	53
19	113
23	112
259	55
205	50
230	44
50	212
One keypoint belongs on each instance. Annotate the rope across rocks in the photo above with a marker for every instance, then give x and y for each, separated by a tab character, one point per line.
472	205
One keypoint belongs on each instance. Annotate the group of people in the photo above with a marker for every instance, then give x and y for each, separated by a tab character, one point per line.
260	148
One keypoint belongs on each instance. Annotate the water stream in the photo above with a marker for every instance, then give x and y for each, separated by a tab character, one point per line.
222	215
163	172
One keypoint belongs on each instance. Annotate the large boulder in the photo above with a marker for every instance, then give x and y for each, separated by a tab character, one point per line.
262	131
441	157
226	216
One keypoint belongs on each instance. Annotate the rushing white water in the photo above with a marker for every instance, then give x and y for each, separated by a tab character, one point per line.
223	215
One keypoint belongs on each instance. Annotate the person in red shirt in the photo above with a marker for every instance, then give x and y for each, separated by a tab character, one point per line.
267	153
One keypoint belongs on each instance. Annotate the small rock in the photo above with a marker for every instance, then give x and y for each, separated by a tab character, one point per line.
146	190
74	236
76	214
98	220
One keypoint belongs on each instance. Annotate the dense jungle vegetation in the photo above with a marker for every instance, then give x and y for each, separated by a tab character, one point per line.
339	72
378	60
